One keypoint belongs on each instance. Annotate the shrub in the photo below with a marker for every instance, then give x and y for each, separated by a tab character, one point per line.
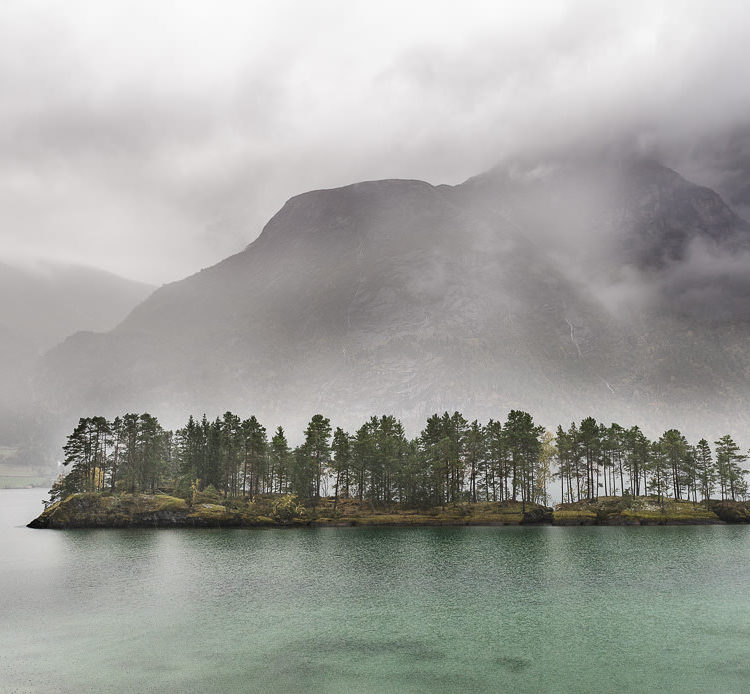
286	508
209	495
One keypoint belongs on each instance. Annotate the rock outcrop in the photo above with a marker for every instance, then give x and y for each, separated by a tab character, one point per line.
94	510
647	511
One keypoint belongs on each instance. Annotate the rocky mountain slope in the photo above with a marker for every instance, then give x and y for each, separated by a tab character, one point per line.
577	287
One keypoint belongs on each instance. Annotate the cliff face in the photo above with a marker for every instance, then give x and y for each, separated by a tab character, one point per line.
604	288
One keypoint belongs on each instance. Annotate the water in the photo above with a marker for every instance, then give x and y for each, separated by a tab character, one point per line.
653	609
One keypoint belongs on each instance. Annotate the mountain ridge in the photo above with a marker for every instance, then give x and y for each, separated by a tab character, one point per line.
403	296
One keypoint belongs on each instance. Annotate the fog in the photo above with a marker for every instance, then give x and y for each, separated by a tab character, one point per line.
153	139
150	140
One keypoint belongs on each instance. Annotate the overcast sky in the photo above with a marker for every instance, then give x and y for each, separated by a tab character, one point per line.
154	138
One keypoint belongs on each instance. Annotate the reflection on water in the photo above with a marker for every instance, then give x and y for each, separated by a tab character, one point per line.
538	609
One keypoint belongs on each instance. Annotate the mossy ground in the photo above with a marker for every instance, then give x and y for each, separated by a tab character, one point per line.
352	512
649	510
112	510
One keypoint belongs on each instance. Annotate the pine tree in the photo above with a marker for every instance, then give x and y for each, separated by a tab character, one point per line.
475	456
730	472
254	448
674	448
341	463
363	455
637	451
659	467
317	451
591	444
706	471
523	442
78	455
280	461
230	442
151	442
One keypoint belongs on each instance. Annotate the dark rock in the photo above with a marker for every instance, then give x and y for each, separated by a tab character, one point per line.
731	511
539	515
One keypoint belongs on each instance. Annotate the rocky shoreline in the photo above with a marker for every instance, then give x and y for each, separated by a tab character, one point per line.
93	510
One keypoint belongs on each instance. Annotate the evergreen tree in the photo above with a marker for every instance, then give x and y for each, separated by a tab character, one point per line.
151	449
659	467
591	444
706	471
254	449
129	457
475	456
728	467
230	444
78	455
567	461
451	460
637	452
674	447
317	452
523	442
363	455
436	455
341	463
280	460
496	466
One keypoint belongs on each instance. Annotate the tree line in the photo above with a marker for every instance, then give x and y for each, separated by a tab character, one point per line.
451	460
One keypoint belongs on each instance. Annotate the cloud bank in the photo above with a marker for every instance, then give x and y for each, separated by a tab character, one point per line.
152	139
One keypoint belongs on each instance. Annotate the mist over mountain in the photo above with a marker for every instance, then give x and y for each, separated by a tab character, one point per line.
43	304
47	302
564	287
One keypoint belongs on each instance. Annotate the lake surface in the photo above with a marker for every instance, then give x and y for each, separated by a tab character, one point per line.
538	609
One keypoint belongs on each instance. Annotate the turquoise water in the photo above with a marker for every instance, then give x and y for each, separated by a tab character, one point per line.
542	609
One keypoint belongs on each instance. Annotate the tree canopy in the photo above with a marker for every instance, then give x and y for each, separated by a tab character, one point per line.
452	460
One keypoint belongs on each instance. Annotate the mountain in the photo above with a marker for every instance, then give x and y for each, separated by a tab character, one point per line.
42	305
49	301
563	288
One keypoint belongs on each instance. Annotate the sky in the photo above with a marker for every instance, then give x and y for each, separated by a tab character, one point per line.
152	139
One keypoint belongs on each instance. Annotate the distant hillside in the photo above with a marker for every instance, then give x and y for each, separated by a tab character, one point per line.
41	306
564	289
48	302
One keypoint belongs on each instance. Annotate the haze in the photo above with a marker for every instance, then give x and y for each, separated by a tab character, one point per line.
152	140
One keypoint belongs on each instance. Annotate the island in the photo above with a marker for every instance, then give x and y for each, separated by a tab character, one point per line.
104	510
131	472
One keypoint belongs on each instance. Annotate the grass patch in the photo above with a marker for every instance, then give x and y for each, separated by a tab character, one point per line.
170	503
578	515
673	515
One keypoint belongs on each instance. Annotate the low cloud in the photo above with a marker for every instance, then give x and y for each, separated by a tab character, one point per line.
709	286
152	139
